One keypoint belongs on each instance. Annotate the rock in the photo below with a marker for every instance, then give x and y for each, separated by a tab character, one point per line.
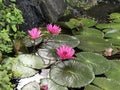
39	12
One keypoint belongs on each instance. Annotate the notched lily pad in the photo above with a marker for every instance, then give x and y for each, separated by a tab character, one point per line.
28	42
31	61
106	84
114	72
52	85
92	44
58	40
99	63
72	73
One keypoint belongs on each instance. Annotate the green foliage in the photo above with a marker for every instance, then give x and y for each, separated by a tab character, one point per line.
10	18
52	85
72	74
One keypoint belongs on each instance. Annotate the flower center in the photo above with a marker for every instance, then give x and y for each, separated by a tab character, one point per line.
64	52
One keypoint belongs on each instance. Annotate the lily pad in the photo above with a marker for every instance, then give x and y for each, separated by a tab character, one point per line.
31	86
92	44
28	42
72	73
113	37
92	87
109	26
115	17
52	85
99	63
88	32
114	72
73	23
48	55
87	22
19	69
31	61
106	84
58	40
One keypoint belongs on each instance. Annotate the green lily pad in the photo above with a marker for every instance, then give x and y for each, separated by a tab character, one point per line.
22	71
31	86
92	44
99	63
31	61
72	73
73	23
106	84
114	72
92	87
52	85
87	22
88	32
48	55
109	25
113	37
58	40
115	17
28	42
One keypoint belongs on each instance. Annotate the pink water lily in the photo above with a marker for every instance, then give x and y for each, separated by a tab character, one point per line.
65	52
44	87
53	29
34	33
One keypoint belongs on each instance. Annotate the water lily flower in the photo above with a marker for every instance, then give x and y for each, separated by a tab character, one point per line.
34	33
44	87
53	29
65	52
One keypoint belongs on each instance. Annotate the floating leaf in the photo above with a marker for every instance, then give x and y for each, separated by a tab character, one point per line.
52	85
73	23
87	22
113	37
92	87
88	32
31	86
31	61
92	44
48	55
109	26
28	42
115	17
22	71
72	74
114	72
99	63
58	40
106	84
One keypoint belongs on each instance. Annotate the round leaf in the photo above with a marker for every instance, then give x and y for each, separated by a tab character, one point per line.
114	72
92	44
88	32
72	74
28	42
106	84
92	87
32	61
24	72
52	85
31	86
58	40
99	63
